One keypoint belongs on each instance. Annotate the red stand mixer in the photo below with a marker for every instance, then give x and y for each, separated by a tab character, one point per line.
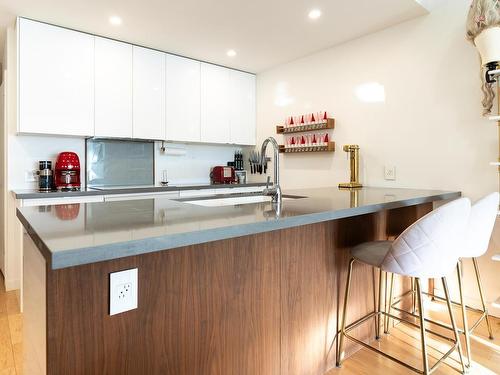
67	176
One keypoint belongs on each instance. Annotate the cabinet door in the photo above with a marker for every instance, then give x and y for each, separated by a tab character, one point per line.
243	123
56	80
113	88
183	99
149	94
215	106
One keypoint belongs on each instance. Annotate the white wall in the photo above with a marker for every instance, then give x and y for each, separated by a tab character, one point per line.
13	231
429	126
3	178
27	150
192	163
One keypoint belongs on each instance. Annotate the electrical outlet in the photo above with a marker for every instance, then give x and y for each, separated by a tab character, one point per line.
123	288
30	176
390	172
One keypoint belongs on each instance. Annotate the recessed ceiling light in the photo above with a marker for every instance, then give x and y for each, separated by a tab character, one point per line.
115	20
315	14
231	53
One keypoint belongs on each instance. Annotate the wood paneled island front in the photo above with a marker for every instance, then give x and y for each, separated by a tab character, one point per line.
241	289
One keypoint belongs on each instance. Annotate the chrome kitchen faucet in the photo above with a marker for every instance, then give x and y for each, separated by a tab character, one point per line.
275	191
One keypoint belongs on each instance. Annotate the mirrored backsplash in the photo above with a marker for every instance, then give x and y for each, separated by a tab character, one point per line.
119	163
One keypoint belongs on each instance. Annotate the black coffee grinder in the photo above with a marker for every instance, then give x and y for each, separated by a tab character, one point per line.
45	176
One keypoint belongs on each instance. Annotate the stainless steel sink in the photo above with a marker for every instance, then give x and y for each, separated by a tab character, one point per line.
233	201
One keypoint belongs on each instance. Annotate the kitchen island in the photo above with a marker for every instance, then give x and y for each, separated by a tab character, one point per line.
223	288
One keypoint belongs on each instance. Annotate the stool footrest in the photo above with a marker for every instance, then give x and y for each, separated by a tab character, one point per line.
397	360
363	319
452	349
441	324
360	321
452	302
481	318
368	346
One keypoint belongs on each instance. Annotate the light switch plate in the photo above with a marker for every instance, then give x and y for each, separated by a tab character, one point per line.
390	172
30	176
123	286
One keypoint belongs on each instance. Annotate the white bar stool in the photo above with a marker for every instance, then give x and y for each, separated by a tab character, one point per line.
478	234
481	223
426	249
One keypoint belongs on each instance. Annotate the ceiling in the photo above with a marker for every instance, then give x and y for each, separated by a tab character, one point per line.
264	33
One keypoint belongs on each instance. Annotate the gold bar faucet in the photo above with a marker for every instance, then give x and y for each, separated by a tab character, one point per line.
353	151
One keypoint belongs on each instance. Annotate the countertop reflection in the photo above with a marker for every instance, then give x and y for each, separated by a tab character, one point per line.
75	234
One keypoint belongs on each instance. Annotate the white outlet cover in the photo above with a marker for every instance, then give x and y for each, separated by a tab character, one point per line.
30	176
123	286
390	172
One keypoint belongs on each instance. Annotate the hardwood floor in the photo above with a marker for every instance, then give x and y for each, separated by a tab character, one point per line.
11	323
403	342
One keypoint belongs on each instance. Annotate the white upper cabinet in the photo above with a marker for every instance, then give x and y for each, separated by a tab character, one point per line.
183	99
113	88
76	84
215	104
148	94
56	80
243	122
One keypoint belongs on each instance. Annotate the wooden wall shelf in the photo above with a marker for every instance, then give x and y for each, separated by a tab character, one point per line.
329	124
295	150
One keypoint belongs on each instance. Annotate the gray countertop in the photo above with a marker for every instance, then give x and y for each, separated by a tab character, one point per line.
71	235
35	194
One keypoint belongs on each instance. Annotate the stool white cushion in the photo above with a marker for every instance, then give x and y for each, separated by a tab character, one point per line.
481	222
428	248
372	253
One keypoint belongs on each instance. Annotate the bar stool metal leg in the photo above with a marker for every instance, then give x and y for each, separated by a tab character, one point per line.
375	320
413	296
481	294
464	313
379	305
421	311
386	289
340	352
432	289
453	323
391	291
